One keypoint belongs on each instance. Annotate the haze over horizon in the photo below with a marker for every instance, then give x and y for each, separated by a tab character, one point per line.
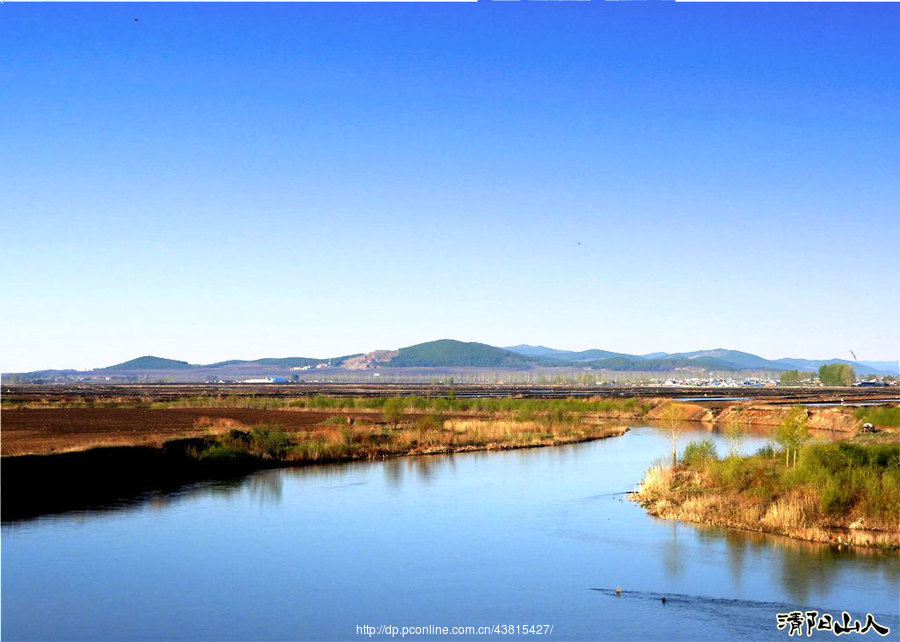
243	181
515	348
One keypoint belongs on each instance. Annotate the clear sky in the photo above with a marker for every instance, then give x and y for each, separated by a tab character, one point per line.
216	181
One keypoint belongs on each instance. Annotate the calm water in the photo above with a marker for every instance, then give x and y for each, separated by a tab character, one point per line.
477	539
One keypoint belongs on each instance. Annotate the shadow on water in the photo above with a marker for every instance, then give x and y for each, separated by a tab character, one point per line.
102	479
122	478
119	479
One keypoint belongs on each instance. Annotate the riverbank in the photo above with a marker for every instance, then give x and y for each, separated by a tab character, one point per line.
63	423
430	423
845	493
35	485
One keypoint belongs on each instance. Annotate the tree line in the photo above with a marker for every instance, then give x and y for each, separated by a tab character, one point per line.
834	374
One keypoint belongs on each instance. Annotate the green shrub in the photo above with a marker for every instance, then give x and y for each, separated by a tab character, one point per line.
220	454
323	402
835	498
393	409
850	474
698	453
269	443
430	422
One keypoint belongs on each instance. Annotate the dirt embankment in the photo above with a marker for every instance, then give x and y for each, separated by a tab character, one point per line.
835	419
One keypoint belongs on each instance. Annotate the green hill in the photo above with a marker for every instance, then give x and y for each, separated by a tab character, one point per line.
150	363
450	353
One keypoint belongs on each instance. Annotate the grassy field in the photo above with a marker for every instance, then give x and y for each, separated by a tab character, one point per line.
879	415
846	493
635	405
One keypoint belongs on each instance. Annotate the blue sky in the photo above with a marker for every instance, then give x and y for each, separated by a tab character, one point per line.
221	181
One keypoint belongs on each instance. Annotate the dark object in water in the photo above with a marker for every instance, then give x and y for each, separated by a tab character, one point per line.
664	599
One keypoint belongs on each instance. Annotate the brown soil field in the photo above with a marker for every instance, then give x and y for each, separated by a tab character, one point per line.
47	430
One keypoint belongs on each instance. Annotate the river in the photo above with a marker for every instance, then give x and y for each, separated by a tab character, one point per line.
478	539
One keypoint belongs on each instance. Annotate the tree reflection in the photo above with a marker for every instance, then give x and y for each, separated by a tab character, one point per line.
673	553
805	570
266	487
393	472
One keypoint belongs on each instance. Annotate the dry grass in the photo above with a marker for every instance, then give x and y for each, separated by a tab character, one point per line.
425	436
760	494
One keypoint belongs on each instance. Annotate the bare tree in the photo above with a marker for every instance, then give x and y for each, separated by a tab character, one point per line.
674	424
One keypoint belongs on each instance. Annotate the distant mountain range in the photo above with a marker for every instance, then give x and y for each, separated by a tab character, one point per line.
448	353
718	359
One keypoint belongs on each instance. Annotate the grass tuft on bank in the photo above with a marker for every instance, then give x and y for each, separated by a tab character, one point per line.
843	493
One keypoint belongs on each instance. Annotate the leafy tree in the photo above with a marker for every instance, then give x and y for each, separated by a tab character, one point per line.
392	410
837	374
796	377
792	432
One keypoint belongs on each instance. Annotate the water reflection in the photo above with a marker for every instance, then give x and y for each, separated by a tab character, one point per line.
673	557
423	467
481	536
266	488
805	570
393	472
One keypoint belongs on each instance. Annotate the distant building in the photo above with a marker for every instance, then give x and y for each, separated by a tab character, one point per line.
266	380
